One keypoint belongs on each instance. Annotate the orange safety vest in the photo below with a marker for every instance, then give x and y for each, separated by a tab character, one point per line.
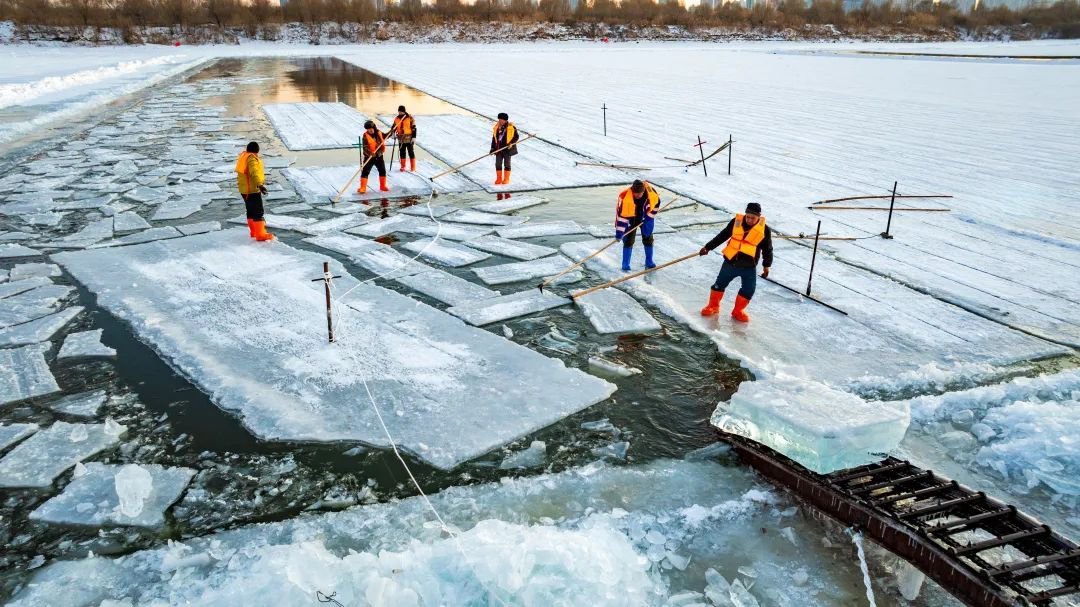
744	241
374	145
511	131
403	125
626	207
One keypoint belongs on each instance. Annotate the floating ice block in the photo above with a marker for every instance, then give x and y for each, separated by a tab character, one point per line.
514	272
446	253
13	433
85	344
446	287
509	205
546	228
612	311
491	310
481	218
84	404
129	221
38	460
510	248
24	374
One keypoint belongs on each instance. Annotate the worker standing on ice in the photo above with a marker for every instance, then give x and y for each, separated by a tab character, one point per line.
251	180
635	212
504	135
748	240
405	130
373	144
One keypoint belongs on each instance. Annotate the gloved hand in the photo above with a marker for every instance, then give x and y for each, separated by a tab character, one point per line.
262	190
765	273
703	251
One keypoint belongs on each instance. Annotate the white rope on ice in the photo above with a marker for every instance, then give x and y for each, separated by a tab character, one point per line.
857	539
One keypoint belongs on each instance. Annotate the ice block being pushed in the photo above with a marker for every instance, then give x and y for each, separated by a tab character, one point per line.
820	427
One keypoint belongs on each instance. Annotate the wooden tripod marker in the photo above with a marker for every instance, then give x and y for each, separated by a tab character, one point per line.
461	166
326	278
600	250
634	275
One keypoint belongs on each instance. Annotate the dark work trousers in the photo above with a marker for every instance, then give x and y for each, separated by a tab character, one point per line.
646	230
502	160
406	151
747	275
377	163
254	205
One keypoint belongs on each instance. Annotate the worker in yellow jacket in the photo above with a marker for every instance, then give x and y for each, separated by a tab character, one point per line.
504	138
251	181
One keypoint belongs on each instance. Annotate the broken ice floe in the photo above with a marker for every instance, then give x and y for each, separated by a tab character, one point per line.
129	221
13	433
445	287
38	330
21	286
179	209
426	370
446	253
32	304
84	404
610	368
11	250
494	309
510	248
471	216
525	270
445	230
133	495
612	311
34	270
335	224
546	228
820	427
509	205
85	344
533	457
38	460
315	126
25	374
382	227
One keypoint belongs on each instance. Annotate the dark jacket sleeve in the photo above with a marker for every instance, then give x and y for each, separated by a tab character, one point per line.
722	237
766	248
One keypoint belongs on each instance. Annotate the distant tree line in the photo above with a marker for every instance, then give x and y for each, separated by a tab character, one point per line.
1061	19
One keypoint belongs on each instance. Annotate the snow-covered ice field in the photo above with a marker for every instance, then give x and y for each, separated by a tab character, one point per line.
964	325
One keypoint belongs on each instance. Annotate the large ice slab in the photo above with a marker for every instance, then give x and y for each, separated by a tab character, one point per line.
10	250
487	311
335	224
510	248
822	428
612	311
509	205
545	228
93	499
21	286
481	218
524	270
446	287
315	126
85	344
32	304
38	330
38	460
343	243
129	221
388	225
275	370
447	230
13	433
83	404
321	184
179	208
458	138
385	262
446	253
25	374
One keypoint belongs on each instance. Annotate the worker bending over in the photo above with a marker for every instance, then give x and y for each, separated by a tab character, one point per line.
251	181
635	212
748	240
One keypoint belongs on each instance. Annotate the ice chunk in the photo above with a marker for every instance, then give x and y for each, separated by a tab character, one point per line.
13	433
614	450
525	270
426	370
446	253
25	374
85	404
21	286
381	227
11	250
510	248
141	237
30	305
180	208
93	232
609	368
446	287
537	229
129	221
38	330
315	126
533	457
344	244
709	451
278	222
472	216
294	208
446	230
38	460
384	262
85	344
146	195
132	495
601	425
495	309
336	224
612	311
199	228
821	428
34	270
509	205
431	211
909	580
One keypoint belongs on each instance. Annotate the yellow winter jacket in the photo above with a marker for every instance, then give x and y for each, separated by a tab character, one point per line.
249	173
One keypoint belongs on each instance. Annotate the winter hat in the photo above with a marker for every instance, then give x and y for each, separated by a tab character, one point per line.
504	116
369	124
754	208
637	187
401	108
253	147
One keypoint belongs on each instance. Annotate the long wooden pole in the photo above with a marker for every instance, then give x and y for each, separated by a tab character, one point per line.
898	196
461	166
601	249
878	209
634	275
